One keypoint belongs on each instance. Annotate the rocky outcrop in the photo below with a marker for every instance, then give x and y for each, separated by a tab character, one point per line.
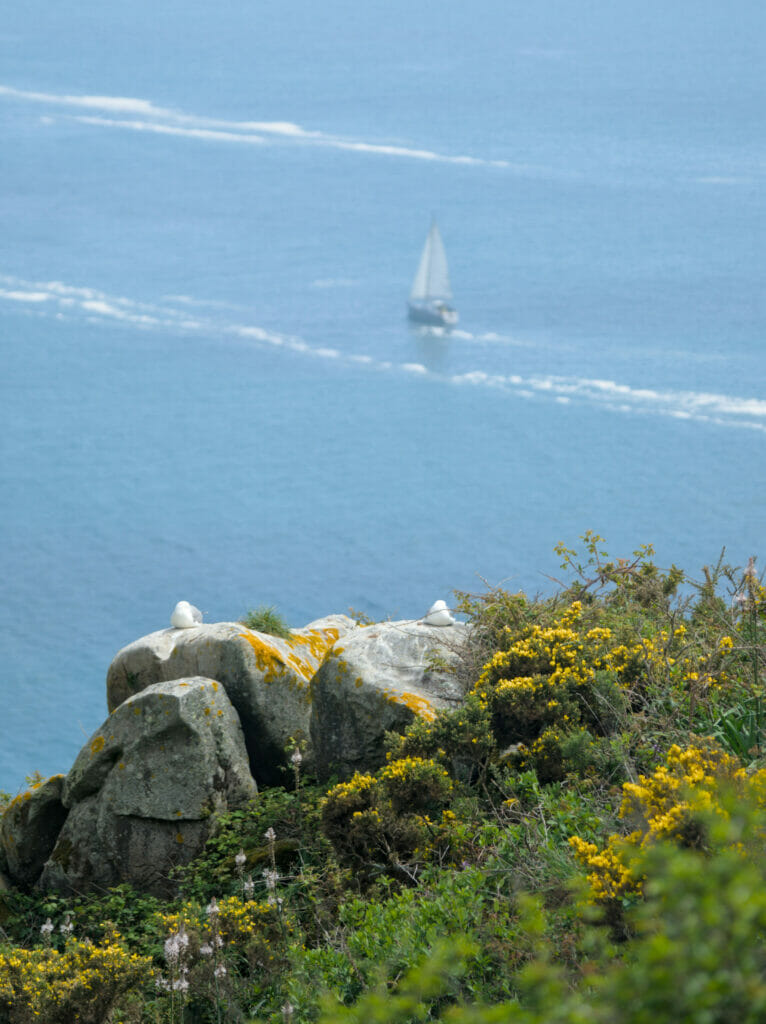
266	678
376	679
142	790
29	829
198	716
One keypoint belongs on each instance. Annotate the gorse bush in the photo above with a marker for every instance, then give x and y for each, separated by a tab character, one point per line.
696	953
678	802
581	840
395	820
80	983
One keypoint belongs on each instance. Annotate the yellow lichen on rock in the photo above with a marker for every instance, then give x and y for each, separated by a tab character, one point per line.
276	664
418	705
319	641
267	658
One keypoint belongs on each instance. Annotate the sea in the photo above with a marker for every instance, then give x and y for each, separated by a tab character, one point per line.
210	218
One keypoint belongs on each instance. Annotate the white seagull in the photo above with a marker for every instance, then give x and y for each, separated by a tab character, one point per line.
185	616
438	615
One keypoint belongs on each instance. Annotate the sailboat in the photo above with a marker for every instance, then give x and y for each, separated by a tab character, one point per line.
431	294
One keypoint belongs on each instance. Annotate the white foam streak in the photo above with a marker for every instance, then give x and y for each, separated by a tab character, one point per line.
209	134
151	118
58	299
117	104
411	153
17	296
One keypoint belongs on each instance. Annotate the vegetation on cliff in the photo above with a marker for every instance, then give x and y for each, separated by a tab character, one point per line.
582	841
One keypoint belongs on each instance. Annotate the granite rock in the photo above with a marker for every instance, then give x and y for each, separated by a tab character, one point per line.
143	790
266	678
376	679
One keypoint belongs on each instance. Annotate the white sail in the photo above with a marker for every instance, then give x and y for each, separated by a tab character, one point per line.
432	278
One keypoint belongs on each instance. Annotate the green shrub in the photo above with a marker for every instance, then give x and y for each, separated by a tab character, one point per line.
81	983
396	820
266	619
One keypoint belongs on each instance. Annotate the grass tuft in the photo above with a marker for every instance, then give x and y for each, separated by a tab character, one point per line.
266	619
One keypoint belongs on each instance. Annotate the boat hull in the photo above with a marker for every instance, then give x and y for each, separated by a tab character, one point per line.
432	314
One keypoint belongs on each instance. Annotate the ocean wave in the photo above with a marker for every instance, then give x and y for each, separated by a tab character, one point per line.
708	407
209	134
149	117
57	298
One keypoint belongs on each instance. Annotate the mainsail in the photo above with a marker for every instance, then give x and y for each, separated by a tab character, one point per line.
432	277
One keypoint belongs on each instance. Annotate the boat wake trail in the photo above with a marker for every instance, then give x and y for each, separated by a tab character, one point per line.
56	299
139	115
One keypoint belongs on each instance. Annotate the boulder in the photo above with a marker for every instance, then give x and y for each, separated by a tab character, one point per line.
377	679
266	678
142	790
29	829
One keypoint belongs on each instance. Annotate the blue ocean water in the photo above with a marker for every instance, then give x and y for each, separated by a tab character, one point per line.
210	220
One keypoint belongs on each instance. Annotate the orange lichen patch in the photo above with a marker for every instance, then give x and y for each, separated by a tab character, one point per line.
318	641
418	705
121	766
267	657
22	798
207	711
179	837
274	664
215	686
18	800
97	744
301	668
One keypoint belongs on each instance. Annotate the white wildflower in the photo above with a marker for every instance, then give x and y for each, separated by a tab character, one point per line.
172	949
206	949
271	878
220	971
175	945
270	835
46	929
